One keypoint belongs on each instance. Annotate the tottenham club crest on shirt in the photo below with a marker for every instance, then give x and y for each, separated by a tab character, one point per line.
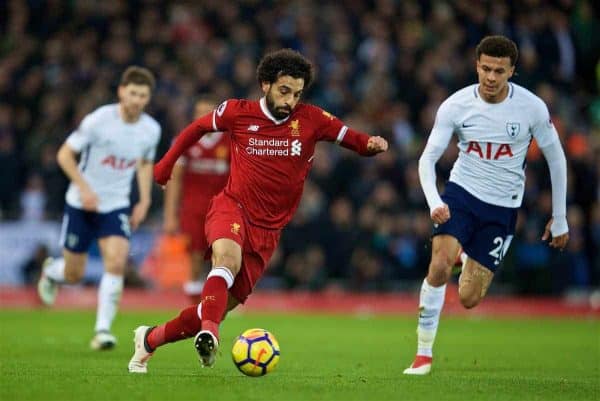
512	129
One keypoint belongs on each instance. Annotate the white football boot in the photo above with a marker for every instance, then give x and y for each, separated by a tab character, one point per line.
139	361
46	287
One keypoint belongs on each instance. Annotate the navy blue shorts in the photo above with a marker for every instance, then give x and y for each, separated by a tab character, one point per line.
483	230
80	227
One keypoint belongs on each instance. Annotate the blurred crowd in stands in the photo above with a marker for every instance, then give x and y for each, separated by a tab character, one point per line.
383	66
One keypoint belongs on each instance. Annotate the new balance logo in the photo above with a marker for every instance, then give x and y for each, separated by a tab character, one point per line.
253	128
296	148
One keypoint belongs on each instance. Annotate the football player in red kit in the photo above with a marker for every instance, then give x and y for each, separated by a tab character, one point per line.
198	175
272	144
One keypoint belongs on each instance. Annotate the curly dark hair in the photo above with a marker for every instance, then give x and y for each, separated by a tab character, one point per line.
284	62
498	46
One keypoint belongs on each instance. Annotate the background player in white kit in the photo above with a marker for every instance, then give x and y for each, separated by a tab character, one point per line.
114	141
495	122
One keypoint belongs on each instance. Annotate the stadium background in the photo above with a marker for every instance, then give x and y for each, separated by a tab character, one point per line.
382	66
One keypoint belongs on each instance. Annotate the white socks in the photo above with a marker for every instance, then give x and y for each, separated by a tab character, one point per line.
109	292
223	272
431	301
56	270
109	295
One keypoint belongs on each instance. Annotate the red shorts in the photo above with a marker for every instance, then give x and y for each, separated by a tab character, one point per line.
225	219
192	225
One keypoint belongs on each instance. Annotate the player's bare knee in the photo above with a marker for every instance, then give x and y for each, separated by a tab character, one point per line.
469	298
473	284
73	275
115	264
439	272
117	268
227	253
469	303
226	260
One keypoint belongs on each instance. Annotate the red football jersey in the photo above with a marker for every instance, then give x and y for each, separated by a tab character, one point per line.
271	158
206	170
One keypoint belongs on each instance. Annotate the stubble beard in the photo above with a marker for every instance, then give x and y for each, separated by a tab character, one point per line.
279	114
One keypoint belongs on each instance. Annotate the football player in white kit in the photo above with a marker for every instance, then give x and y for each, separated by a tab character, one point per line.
495	121
113	142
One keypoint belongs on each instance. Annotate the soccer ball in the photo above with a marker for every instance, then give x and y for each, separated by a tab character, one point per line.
255	352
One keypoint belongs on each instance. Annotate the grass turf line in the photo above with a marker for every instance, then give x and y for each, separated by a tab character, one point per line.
46	356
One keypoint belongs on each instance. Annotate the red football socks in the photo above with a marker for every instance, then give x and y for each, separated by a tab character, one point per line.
214	303
186	325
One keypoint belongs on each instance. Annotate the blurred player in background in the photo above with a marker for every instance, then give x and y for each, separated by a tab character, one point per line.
495	121
198	175
273	142
113	142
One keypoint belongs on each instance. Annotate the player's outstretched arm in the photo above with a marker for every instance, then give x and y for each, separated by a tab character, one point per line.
332	129
361	143
185	139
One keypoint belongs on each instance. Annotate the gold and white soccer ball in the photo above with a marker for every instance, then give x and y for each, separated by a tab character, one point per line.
255	352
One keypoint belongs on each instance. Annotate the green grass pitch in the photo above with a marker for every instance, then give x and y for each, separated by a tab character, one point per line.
45	356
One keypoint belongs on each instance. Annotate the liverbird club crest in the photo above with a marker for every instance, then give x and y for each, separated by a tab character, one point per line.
512	129
295	126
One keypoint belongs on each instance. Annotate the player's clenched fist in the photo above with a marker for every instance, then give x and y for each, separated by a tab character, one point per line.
440	214
377	144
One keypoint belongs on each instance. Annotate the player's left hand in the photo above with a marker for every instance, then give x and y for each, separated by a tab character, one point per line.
377	144
559	241
138	214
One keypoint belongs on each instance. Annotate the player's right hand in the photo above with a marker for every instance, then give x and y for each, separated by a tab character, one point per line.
556	241
162	173
377	144
440	214
89	199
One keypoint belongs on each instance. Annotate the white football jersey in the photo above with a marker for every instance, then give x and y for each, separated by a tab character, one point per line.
110	150
493	139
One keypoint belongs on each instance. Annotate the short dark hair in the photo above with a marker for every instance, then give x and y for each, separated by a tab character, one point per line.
138	76
498	46
284	62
